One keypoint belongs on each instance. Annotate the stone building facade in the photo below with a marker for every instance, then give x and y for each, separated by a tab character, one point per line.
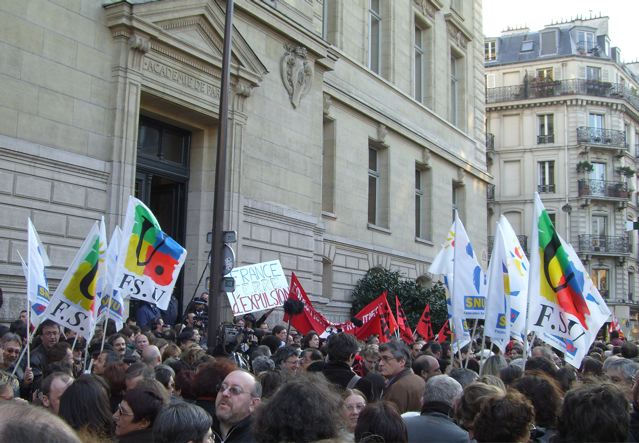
355	127
563	119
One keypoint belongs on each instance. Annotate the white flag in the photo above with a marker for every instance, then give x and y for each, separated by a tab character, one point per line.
112	297
518	266
37	284
73	304
497	325
565	309
469	280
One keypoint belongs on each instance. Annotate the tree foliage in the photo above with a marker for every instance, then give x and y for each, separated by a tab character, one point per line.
412	296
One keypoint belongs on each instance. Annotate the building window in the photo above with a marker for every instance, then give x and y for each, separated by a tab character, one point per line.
593	73
526	45
327	278
375	37
600	280
636	144
377	184
419	63
459	201
490	51
548	42
457	6
456	75
328	166
545	74
546	132
422	203
596	123
585	41
546	176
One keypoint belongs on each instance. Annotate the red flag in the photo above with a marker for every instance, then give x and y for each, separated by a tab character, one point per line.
443	333
310	319
424	326
402	322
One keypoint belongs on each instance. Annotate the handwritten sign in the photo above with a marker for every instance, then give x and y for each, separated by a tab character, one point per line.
258	287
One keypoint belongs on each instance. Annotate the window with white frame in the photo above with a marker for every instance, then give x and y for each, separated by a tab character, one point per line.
374	179
490	50
585	41
456	70
593	73
375	36
545	74
422	202
546	129
546	176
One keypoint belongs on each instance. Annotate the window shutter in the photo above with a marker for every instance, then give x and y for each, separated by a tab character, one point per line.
582	72
490	80
548	43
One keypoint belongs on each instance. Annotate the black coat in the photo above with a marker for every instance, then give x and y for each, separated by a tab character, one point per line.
340	374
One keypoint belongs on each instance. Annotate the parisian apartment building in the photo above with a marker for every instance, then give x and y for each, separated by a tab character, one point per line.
355	128
562	119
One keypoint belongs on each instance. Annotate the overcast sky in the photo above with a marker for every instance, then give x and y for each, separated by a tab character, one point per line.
623	25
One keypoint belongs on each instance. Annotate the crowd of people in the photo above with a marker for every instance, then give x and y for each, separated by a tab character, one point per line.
153	381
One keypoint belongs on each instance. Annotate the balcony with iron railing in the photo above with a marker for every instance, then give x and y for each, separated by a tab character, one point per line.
604	244
608	138
523	242
546	189
532	89
602	189
544	139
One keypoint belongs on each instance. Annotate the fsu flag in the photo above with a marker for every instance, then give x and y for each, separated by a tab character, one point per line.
565	308
402	323
424	326
37	284
149	260
73	305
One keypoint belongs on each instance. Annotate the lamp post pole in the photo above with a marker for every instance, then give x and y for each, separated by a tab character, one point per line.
217	243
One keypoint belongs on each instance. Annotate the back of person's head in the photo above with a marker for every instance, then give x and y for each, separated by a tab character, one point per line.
341	347
147	400
45	386
510	373
594	412
442	389
262	363
566	376
85	406
629	350
114	374
469	404
504	418
492	380
261	350
272	342
541	364
493	365
181	422
139	369
590	366
209	376
271	381
464	376
21	422
380	422
307	408
184	384
545	395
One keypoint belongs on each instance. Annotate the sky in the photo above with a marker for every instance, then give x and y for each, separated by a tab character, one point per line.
623	16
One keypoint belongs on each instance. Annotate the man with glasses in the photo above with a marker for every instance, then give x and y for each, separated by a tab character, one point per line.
237	398
403	387
49	336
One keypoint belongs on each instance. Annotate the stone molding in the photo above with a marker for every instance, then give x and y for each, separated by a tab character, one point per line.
296	72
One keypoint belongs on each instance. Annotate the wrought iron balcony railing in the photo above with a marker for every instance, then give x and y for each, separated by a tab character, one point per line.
604	244
555	88
600	136
543	139
546	188
602	189
490	141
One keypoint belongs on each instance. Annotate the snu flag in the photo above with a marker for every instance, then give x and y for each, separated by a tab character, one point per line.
469	280
497	324
73	305
565	309
149	260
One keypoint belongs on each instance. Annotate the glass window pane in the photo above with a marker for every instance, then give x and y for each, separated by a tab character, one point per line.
372	199
148	140
372	159
173	147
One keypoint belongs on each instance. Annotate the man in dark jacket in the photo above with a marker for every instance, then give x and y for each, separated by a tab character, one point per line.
434	424
341	349
238	396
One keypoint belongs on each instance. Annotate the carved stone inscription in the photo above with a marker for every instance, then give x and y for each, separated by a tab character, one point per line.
181	78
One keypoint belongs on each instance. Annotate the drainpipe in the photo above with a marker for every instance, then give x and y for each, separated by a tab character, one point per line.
567	207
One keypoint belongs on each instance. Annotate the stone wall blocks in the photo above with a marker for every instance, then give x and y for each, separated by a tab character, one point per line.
96	199
79	227
33	187
6	182
279	237
306	264
303	242
55	106
260	233
69	194
48	222
21	33
4	249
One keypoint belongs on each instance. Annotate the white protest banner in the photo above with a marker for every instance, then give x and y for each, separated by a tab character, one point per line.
258	287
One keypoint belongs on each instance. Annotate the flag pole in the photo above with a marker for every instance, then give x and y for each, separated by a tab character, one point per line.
106	320
481	350
19	360
472	340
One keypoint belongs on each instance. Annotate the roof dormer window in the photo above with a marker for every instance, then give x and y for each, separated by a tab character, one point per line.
585	41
